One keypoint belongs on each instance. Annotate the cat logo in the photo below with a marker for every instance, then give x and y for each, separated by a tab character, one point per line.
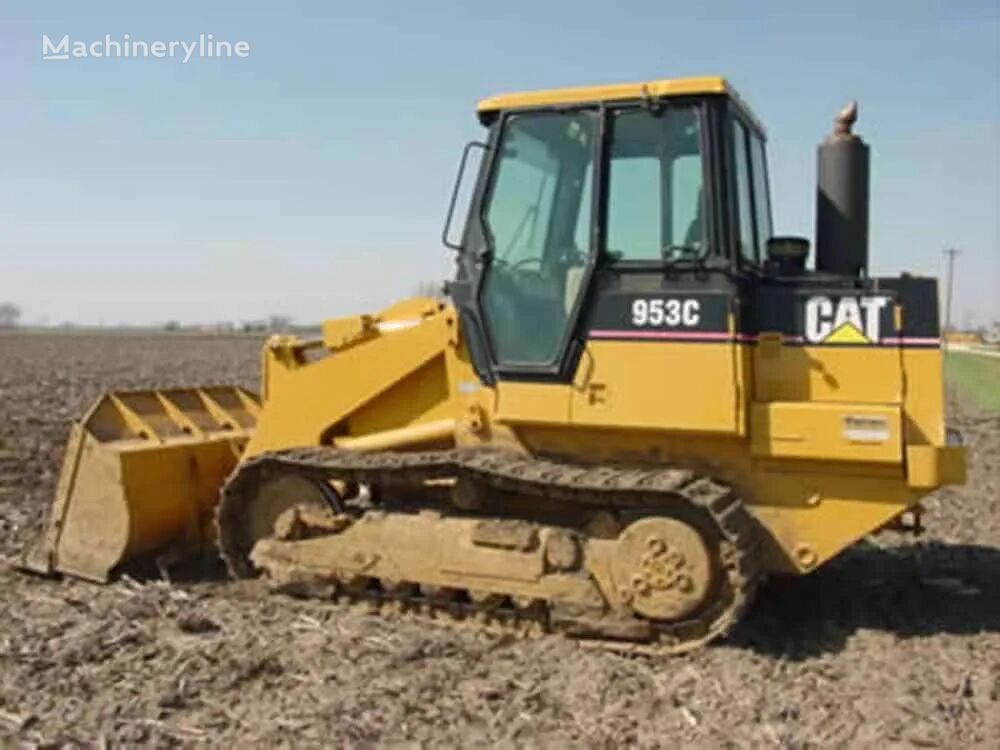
844	320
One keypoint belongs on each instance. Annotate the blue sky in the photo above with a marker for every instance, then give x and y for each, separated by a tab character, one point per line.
311	178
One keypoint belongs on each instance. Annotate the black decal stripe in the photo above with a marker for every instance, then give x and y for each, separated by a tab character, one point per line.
759	306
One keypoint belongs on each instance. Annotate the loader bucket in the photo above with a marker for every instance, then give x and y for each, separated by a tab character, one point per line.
141	477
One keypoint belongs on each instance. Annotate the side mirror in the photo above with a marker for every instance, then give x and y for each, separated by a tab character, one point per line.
459	182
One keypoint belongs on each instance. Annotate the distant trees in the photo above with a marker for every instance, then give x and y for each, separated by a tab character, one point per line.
10	315
279	323
271	324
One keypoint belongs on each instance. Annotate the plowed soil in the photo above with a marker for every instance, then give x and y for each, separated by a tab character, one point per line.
897	643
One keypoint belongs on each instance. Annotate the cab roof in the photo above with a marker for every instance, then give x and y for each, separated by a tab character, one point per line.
656	89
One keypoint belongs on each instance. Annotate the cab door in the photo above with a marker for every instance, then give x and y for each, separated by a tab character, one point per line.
661	348
537	213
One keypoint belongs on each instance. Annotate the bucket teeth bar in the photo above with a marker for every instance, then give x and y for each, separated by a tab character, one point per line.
141	475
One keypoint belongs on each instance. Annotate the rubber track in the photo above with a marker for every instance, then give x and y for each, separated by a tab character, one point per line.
605	486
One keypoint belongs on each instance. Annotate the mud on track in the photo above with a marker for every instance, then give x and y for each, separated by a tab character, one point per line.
896	643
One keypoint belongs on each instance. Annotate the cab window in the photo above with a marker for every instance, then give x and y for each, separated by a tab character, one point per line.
744	194
655	178
536	205
761	196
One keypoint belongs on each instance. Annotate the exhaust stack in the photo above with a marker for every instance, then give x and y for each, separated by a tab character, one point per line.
842	178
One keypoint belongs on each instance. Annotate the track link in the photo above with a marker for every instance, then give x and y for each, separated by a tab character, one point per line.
623	489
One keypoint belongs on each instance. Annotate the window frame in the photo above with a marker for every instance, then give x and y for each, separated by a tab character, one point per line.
563	356
700	105
751	131
756	138
488	203
720	223
490	248
736	125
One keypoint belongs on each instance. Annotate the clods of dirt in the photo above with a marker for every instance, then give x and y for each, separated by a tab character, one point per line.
896	643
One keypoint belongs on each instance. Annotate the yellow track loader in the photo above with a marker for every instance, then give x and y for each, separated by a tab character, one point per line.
636	403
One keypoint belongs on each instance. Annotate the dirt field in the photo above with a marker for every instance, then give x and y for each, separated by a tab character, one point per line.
895	644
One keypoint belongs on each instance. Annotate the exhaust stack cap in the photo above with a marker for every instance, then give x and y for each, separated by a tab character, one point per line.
842	177
844	122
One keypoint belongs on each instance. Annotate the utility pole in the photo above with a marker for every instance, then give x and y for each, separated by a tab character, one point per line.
951	254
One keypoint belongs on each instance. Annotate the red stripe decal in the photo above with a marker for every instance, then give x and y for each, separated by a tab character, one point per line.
744	337
676	335
911	340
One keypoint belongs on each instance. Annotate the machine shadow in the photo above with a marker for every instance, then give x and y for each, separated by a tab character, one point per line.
915	590
205	567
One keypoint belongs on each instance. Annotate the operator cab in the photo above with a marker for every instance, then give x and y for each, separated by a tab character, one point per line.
667	176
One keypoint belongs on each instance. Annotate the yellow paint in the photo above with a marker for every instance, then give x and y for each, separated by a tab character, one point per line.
668	386
142	473
929	466
665	88
313	403
842	517
535	403
851	432
339	333
612	92
923	401
422	434
827	373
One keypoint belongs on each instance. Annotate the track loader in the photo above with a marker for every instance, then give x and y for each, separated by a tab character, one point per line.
637	402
